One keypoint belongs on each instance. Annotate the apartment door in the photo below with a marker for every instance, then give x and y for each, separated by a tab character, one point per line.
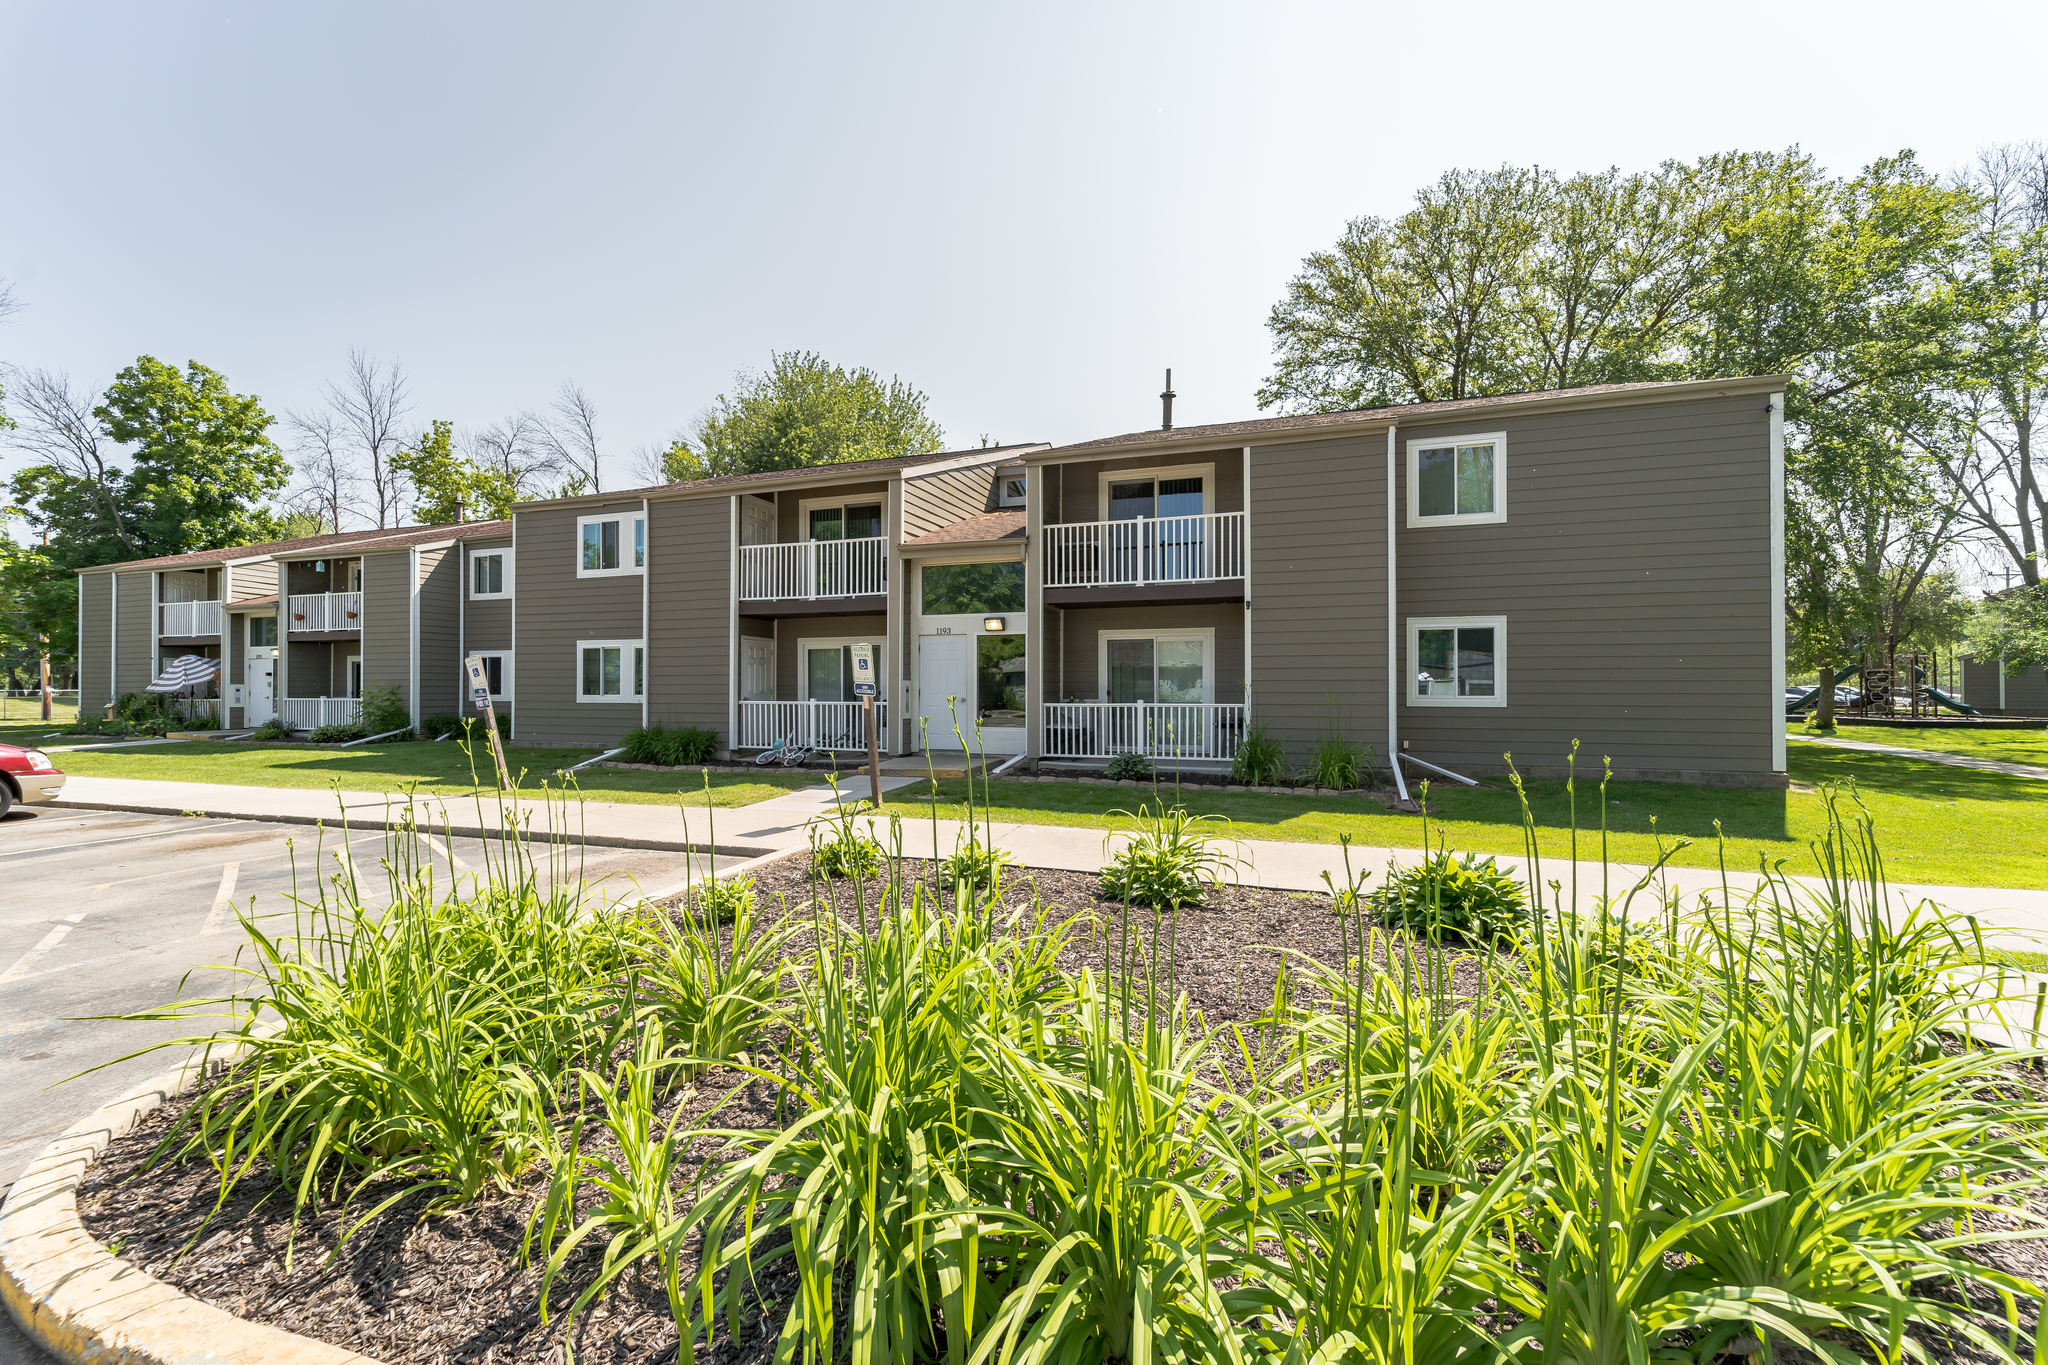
943	685
757	521
259	691
757	669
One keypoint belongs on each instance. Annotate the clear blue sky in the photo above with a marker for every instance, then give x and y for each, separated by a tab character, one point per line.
1027	210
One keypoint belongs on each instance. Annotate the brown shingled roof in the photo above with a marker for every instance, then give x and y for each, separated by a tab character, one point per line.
1405	412
979	529
390	538
850	468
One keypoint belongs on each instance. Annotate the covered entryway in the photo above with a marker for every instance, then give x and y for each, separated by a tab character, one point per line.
971	656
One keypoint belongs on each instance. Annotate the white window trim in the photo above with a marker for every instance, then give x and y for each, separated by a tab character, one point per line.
1499	514
625	668
626	564
804	506
1418	624
353	664
1003	476
968	623
1206	634
1106	477
505	670
809	642
504	558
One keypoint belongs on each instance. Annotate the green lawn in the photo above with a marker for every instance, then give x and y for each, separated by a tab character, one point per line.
2008	746
439	769
28	734
1948	826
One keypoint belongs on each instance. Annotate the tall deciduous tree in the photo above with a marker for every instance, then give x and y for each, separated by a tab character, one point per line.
447	485
803	411
345	449
203	465
571	437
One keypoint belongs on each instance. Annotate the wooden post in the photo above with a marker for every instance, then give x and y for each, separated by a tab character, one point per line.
497	750
867	706
46	677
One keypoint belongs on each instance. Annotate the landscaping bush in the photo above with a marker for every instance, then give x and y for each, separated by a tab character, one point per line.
1468	896
974	865
1336	764
848	853
1129	768
436	727
670	746
723	900
1260	761
271	730
341	732
381	711
1170	860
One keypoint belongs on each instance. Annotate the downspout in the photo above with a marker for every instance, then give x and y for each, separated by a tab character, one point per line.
732	638
1394	640
1775	405
1245	566
513	731
646	638
227	595
462	573
412	670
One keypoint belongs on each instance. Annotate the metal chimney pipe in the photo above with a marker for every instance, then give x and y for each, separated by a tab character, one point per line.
1166	404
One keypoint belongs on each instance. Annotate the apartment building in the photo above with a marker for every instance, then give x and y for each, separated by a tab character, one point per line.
1454	581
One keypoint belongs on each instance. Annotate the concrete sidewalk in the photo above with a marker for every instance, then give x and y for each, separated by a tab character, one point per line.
788	822
1982	765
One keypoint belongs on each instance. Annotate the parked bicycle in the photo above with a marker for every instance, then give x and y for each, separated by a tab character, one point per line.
787	753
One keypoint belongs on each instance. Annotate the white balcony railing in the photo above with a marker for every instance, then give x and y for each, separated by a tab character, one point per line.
1101	729
310	713
836	725
815	568
325	611
192	708
183	620
1143	551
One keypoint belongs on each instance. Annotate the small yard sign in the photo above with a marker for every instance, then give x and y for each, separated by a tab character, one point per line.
480	693
863	670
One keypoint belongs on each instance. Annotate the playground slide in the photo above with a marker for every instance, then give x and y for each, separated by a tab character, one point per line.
1812	697
1941	698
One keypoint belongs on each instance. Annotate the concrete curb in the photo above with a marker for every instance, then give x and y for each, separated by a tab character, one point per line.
460	831
81	1303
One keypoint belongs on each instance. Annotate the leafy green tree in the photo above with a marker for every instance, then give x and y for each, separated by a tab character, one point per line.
448	486
804	411
2013	626
203	466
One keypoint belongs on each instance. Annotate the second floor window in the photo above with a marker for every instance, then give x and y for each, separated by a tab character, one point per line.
611	544
262	631
1457	482
489	574
853	521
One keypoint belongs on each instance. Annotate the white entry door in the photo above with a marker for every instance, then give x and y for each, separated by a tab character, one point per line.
943	671
757	669
260	689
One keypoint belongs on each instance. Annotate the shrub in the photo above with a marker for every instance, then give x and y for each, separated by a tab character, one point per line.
1467	896
272	729
1171	860
848	853
339	733
1261	760
434	727
381	712
1129	768
1335	763
724	900
975	865
670	746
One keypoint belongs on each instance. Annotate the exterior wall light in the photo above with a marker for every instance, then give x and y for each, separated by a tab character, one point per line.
993	624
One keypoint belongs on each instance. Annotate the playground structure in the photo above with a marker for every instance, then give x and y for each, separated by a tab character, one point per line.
1890	687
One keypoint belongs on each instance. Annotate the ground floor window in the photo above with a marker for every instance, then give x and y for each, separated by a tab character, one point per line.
497	673
354	671
827	668
1458	660
1173	667
610	670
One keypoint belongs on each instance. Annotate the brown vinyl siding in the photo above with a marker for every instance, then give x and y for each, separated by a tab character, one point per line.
387	626
1077	649
2026	694
258	579
793	629
941	499
440	649
554	610
1076	488
1634	572
135	607
789	518
689	623
312	667
95	641
1318	551
487	624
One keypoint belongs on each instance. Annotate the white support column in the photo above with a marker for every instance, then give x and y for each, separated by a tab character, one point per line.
156	622
732	642
227	665
1394	689
1776	699
1250	718
891	688
412	654
1034	611
646	635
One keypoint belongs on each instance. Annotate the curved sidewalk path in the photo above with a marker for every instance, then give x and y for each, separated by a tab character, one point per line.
1982	765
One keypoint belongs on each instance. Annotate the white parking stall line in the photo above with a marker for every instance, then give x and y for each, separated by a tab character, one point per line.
28	960
223	900
114	839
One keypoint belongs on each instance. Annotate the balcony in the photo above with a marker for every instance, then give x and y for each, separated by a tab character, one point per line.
1162	730
810	570
1145	552
315	612
834	725
190	620
310	713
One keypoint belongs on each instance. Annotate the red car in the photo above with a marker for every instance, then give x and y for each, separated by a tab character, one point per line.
27	775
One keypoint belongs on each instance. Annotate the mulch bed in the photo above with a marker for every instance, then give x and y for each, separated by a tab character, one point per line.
451	1286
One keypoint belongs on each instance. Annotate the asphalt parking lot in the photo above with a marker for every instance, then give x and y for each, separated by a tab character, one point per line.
104	913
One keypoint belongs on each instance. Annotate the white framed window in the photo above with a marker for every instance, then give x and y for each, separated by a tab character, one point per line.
825	668
262	631
1010	487
354	671
839	519
490	574
1458	480
610	670
610	543
1165	666
1146	494
497	672
1458	661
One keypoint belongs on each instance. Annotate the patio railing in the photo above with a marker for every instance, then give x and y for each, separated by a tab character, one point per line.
1102	729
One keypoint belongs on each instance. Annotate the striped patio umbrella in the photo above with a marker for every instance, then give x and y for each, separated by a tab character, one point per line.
190	670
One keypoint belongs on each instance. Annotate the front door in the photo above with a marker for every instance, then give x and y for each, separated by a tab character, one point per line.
260	690
944	687
757	669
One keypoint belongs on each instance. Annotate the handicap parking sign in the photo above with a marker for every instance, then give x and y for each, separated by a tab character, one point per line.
863	670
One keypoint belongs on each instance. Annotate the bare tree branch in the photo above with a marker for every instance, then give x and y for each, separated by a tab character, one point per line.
330	483
519	449
572	436
55	425
370	405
